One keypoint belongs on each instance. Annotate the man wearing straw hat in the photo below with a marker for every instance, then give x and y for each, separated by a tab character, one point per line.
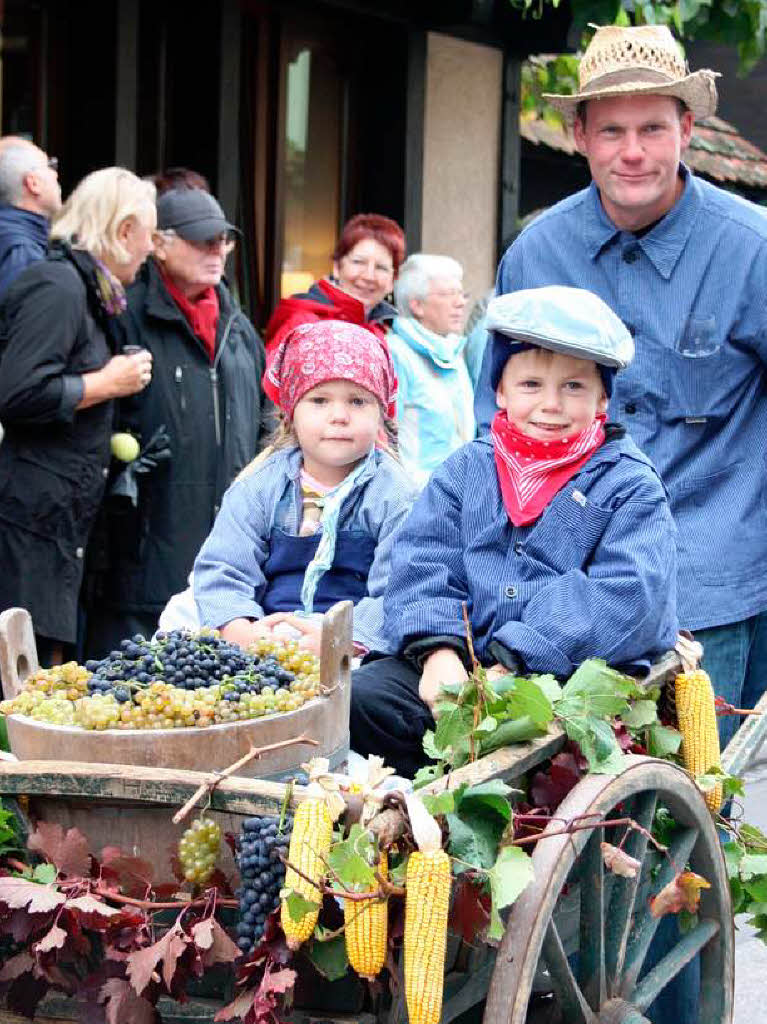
684	265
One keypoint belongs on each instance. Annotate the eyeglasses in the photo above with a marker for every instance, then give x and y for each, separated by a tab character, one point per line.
360	264
224	240
453	294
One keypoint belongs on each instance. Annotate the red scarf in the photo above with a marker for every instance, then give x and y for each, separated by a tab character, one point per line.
532	472
201	315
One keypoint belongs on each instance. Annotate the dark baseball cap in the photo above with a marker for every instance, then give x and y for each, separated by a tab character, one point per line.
192	213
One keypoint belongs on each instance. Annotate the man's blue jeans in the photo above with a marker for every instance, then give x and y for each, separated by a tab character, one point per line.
735	656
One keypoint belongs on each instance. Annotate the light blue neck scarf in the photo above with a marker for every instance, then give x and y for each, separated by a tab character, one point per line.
444	350
326	549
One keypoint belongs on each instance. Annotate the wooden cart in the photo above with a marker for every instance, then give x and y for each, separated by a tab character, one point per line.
575	941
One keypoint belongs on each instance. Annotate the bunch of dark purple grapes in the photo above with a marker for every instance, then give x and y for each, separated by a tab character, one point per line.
261	845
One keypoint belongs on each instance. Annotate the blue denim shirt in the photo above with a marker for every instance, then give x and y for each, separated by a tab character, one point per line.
594	576
228	574
693	292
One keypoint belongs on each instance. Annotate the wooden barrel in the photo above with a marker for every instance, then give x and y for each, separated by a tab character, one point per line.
212	748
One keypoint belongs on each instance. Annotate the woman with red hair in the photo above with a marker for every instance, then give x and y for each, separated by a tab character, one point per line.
366	259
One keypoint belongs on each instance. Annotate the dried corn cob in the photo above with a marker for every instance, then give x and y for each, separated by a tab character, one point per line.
309	848
696	716
427	903
365	931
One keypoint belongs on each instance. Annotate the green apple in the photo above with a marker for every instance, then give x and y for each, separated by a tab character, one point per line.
125	447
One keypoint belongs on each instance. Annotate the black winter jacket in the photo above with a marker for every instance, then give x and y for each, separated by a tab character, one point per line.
217	419
53	460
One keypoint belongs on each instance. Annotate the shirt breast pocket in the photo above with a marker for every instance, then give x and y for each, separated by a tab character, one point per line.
698	385
569	532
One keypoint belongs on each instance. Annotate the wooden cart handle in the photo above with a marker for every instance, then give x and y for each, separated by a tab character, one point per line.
18	651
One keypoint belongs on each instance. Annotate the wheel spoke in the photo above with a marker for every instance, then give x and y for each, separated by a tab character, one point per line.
622	901
645	926
591	955
574	1008
683	952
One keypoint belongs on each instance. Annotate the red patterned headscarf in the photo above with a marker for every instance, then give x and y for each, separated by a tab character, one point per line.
330	350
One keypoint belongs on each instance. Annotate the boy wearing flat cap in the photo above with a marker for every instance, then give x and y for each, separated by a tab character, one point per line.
554	531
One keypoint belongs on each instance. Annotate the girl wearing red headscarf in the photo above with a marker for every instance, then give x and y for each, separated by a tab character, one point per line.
313	522
365	264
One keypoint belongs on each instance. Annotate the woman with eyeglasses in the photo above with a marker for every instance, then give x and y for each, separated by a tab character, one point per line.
205	394
366	260
60	372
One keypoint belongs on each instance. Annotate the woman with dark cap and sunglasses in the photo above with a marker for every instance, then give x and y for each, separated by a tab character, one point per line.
366	260
206	392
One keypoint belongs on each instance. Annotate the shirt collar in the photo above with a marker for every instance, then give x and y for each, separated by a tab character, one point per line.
664	244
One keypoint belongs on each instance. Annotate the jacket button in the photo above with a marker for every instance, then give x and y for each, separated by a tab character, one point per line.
105	471
630	408
510	591
518	548
79	553
631	255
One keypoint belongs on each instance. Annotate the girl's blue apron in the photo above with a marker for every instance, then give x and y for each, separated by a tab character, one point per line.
346	580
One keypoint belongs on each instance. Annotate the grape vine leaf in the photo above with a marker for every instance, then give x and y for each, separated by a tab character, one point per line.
16	965
329	957
440	803
548	685
213	942
469	909
474	837
53	939
596	689
141	964
452	734
548	789
510	875
640	714
123	1004
68	851
681	893
132	874
753	864
93	913
352	860
526	699
493	796
429	773
37	899
297	906
44	874
662	740
597	743
430	747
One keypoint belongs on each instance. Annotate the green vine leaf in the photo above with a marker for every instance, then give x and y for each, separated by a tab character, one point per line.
353	860
329	956
510	875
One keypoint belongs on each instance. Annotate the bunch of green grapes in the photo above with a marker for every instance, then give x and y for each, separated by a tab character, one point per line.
99	712
198	849
35	704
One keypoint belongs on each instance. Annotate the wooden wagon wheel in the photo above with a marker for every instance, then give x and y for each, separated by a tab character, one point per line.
614	924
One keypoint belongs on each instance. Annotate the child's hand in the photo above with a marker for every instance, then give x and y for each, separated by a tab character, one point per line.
243	632
443	666
310	630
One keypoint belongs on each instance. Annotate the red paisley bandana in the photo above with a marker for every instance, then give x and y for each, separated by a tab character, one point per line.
312	354
532	472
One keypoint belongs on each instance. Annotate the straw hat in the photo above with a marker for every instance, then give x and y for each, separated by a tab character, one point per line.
645	59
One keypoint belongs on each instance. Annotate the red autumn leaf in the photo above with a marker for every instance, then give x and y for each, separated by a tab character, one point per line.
19	964
619	862
238	1007
20	892
24	994
549	788
143	963
470	913
20	924
68	852
122	1004
133	874
78	940
214	943
681	893
54	939
93	913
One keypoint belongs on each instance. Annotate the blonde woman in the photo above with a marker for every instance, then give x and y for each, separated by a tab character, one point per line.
59	375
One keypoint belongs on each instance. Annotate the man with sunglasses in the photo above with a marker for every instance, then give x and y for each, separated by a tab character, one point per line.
30	196
205	392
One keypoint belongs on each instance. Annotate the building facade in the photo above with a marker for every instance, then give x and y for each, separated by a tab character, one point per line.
299	113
